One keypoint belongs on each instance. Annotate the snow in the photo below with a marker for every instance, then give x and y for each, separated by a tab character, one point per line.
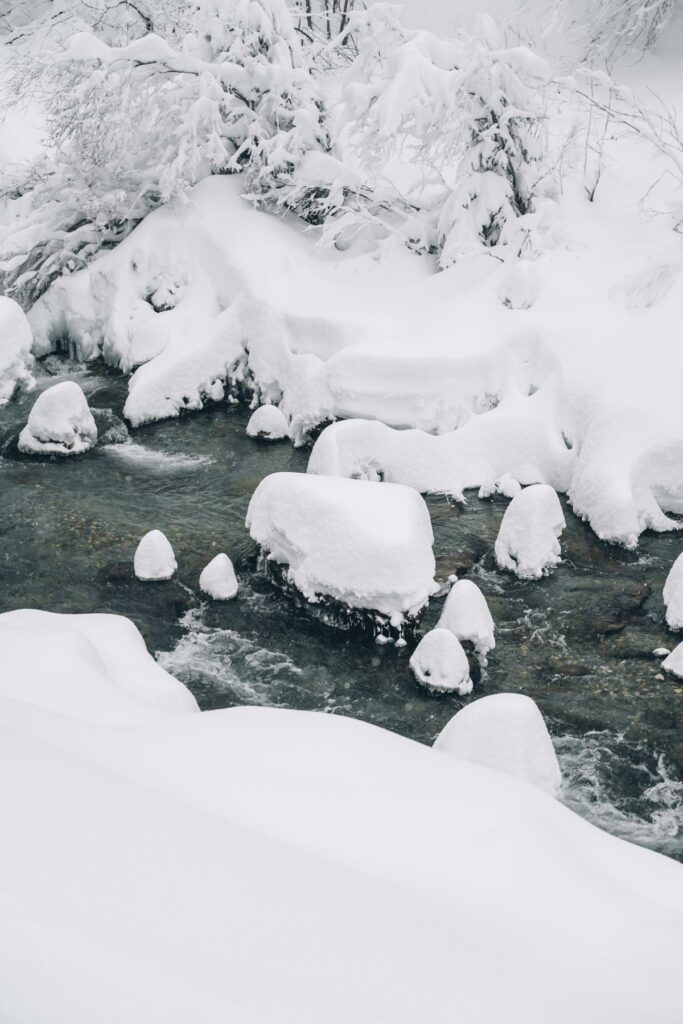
673	595
674	662
93	668
364	544
154	558
265	865
528	540
439	663
267	422
504	731
16	360
467	616
218	579
60	423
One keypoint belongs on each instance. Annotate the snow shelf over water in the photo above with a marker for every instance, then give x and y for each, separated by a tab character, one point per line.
265	865
366	545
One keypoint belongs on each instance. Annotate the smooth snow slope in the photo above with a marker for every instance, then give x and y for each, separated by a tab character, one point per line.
253	865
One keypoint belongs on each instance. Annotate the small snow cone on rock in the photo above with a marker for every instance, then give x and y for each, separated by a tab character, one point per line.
528	541
440	664
60	423
505	731
154	557
267	423
218	579
673	595
467	616
674	662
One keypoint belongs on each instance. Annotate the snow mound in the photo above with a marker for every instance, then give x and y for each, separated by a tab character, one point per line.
505	731
517	439
268	423
60	423
520	286
94	668
154	558
673	595
16	360
466	614
366	545
218	579
439	663
264	865
674	662
528	540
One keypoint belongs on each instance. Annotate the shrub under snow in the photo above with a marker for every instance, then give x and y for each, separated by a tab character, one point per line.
505	731
528	540
60	423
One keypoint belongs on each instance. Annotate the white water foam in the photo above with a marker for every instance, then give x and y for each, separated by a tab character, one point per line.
152	458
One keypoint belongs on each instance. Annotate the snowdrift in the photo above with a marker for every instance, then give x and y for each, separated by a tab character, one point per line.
259	865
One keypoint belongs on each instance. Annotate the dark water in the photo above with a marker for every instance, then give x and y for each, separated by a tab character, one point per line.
579	642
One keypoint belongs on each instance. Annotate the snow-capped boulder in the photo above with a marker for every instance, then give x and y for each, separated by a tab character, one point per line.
154	557
673	595
528	540
439	663
60	423
466	614
16	359
218	579
267	423
674	662
94	668
505	731
366	545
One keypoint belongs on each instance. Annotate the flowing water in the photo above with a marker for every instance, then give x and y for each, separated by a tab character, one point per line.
579	642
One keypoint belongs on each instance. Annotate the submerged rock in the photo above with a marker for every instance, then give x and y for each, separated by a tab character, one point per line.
528	540
439	663
218	579
268	423
110	428
505	731
154	557
60	423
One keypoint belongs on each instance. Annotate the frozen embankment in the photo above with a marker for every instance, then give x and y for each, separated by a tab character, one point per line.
367	547
217	297
259	865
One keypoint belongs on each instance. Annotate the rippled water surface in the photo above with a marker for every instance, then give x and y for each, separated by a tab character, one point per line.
579	642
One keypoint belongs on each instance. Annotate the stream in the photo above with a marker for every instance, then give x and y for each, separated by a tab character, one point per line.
579	642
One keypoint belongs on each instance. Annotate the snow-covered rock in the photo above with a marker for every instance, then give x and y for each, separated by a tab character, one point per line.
268	423
520	286
94	668
218	579
439	663
674	662
466	614
673	595
16	360
366	545
154	558
310	836
60	423
504	731
528	540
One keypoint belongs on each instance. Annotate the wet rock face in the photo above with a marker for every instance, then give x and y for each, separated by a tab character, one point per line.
110	428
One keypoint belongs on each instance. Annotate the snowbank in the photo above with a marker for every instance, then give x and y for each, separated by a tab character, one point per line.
467	616
505	731
267	422
60	423
528	540
154	558
264	865
94	668
440	663
673	595
218	579
16	360
366	545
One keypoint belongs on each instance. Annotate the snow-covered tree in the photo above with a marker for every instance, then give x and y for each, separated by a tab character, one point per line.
607	29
